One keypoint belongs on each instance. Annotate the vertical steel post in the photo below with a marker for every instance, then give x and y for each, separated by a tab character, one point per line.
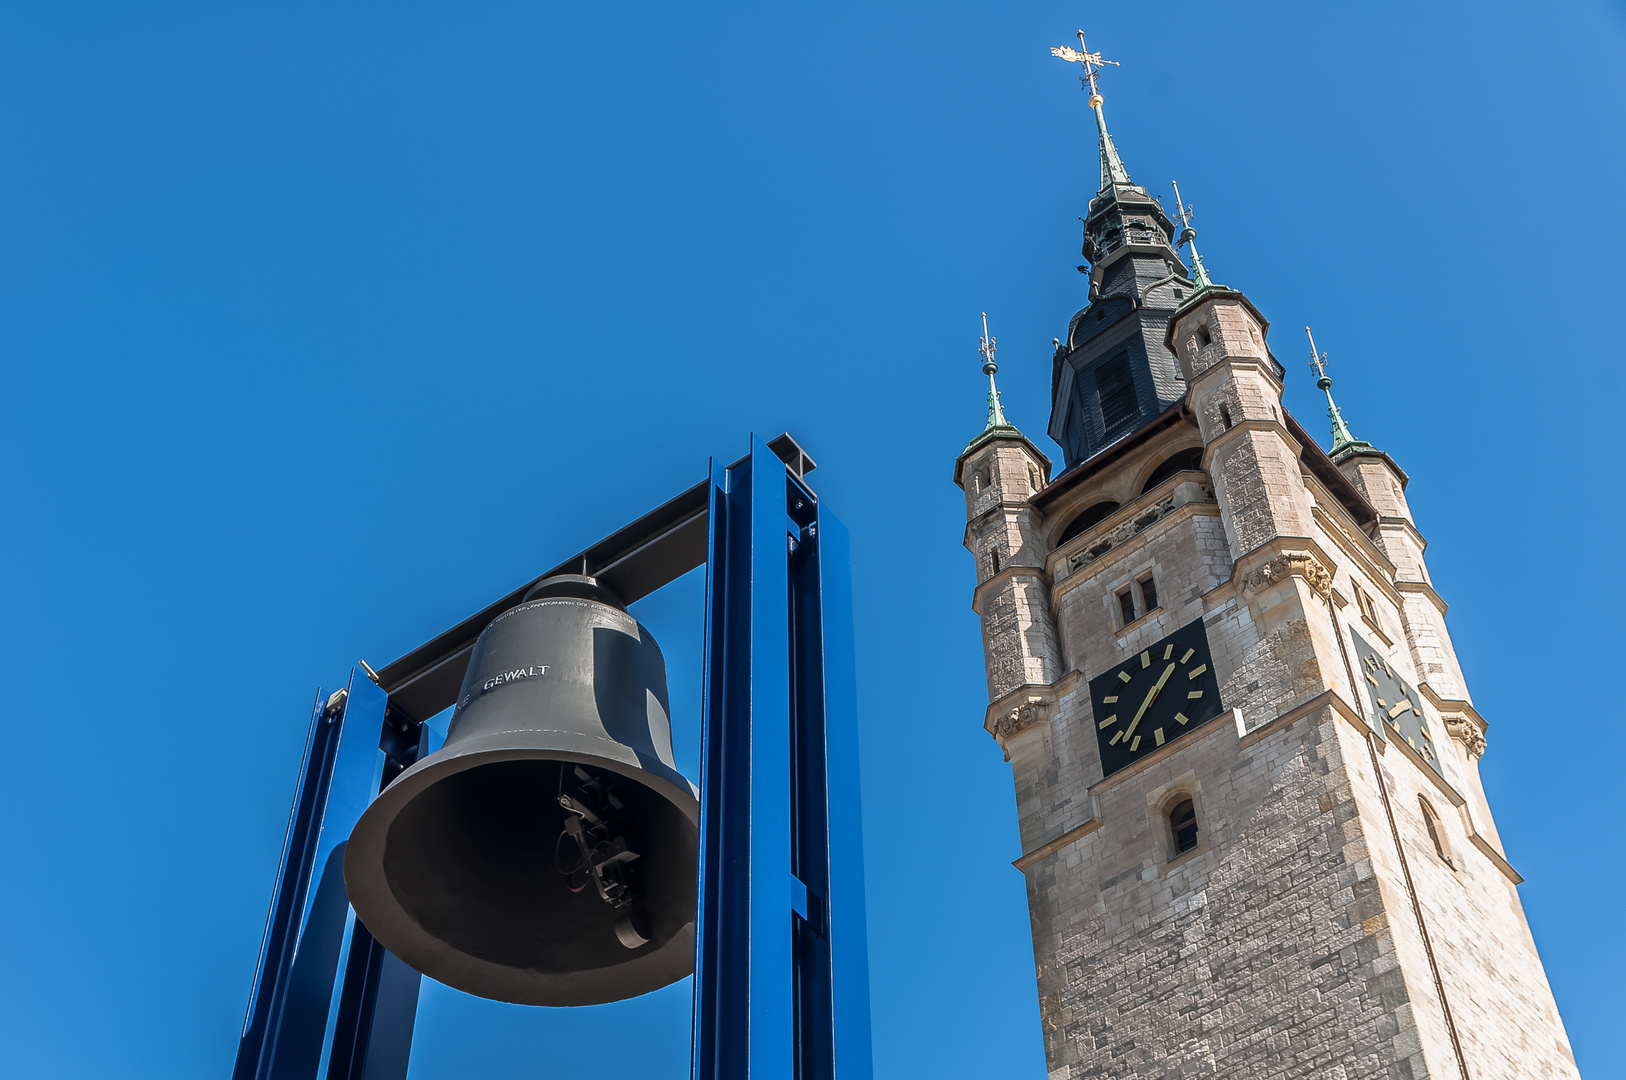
782	980
378	1000
299	955
847	934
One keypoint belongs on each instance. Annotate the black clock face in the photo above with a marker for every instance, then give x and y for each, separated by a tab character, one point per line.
1154	697
1395	706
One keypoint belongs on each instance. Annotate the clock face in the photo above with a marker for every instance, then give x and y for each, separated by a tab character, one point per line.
1396	707
1154	696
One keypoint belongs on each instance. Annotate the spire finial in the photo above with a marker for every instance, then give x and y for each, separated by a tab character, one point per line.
1112	166
996	414
1188	236
1341	438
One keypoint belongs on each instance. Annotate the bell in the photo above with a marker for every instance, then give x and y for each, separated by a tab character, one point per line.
546	854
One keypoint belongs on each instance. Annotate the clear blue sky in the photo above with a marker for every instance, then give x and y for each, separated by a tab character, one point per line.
324	324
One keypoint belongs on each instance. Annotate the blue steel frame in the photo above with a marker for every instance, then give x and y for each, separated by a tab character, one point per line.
781	955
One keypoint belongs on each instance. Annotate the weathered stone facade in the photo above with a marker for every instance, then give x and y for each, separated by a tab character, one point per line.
1347	910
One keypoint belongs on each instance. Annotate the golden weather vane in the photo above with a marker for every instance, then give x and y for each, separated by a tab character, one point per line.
1112	166
1091	60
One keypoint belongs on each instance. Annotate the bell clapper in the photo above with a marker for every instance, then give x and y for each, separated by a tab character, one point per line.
604	857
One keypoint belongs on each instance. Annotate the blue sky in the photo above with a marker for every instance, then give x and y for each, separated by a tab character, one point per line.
324	324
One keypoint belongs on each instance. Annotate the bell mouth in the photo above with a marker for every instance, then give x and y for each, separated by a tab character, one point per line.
463	871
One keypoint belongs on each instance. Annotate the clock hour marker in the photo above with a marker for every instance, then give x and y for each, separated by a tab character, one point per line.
1158	735
1195	694
1384	705
1186	657
1145	659
1115	739
1369	678
1124	675
1387	669
1183	718
1369	662
1135	745
1109	721
1110	699
1196	671
1168	652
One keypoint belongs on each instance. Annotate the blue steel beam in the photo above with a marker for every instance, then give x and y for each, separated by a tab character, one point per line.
782	977
848	934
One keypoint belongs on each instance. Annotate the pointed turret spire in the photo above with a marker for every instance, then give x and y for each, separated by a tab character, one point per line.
1112	166
1342	440
996	414
1188	237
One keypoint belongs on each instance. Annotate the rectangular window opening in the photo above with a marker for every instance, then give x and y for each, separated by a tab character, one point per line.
1126	605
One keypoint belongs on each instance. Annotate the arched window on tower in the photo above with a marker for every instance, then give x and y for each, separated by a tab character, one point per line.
1090	517
1179	462
1183	826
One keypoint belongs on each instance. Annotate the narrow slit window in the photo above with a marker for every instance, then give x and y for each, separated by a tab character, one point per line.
1148	593
1225	416
1183	826
1203	338
993	561
1126	605
1436	832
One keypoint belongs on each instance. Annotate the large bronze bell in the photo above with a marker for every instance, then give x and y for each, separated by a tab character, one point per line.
546	854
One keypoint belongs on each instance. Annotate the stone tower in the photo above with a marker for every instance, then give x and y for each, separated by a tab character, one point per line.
1246	762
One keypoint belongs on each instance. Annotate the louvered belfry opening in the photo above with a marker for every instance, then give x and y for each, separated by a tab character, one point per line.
1115	387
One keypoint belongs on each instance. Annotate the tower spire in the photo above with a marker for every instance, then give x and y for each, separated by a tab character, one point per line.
996	414
1112	166
1342	440
1188	237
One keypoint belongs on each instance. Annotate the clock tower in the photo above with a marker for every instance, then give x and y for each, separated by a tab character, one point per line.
1252	827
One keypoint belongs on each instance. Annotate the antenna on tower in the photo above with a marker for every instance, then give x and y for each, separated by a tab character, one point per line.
996	414
1341	438
1188	237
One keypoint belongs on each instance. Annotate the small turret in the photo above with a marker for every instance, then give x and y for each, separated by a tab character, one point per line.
999	471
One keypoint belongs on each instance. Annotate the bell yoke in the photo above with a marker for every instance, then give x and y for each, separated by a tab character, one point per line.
546	854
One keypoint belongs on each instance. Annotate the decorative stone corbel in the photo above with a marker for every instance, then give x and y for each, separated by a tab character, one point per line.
1467	733
1287	565
1016	721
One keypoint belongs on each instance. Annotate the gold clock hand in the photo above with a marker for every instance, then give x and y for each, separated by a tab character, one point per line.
1399	708
1151	696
